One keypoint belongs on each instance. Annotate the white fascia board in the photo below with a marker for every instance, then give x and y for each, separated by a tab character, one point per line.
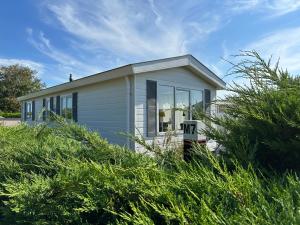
160	64
96	78
206	73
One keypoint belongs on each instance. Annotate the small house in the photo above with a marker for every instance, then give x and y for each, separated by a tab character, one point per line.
145	99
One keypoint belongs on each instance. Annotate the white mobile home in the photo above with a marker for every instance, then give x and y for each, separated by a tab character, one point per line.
147	98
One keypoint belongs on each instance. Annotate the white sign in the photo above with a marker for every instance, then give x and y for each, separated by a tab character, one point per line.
192	130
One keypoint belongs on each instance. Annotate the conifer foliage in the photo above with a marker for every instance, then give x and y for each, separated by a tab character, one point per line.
262	119
68	175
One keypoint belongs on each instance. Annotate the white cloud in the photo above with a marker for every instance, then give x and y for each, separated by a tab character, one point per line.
120	31
119	27
282	7
208	24
104	34
39	67
242	5
283	44
67	63
272	8
140	29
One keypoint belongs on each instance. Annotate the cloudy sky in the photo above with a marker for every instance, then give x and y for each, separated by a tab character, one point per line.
83	37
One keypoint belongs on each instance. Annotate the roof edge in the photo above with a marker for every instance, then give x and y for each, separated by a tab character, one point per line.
179	61
219	83
92	79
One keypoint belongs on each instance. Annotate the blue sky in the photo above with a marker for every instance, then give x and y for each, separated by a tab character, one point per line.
83	37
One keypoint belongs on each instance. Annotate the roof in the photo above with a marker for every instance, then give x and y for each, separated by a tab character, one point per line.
187	61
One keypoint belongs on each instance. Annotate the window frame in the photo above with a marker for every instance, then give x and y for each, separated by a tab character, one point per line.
47	108
157	108
189	104
28	116
66	96
175	87
203	103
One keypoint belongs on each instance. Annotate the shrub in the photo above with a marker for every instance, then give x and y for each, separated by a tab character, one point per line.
68	175
262	119
10	114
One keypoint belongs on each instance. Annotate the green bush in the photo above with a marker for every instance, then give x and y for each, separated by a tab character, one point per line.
262	120
68	175
10	114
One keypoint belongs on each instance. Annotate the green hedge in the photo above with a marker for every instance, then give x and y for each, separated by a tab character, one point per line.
262	120
10	114
67	175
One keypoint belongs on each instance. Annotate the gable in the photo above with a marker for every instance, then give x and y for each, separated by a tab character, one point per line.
187	61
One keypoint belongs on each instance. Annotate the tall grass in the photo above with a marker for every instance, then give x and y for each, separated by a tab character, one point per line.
68	175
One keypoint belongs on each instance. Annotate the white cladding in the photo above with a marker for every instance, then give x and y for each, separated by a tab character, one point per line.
115	101
177	77
102	107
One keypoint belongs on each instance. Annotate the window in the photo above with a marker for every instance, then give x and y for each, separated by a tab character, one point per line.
54	105
182	112
47	108
66	107
207	97
166	108
175	105
196	103
28	110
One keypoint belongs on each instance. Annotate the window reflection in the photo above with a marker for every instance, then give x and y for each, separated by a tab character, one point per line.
175	105
66	107
69	108
182	112
29	110
166	108
196	103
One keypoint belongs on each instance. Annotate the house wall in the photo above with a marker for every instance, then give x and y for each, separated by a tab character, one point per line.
178	77
102	107
119	105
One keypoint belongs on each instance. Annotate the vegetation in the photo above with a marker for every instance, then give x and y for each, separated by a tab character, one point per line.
65	174
10	114
262	120
15	81
68	175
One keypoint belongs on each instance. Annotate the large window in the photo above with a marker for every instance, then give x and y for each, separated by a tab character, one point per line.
28	110
166	108
66	107
175	105
182	111
196	103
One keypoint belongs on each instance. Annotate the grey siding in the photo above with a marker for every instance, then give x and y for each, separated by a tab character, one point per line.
119	105
102	107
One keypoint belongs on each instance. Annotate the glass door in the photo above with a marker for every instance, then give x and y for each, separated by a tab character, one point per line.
182	111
